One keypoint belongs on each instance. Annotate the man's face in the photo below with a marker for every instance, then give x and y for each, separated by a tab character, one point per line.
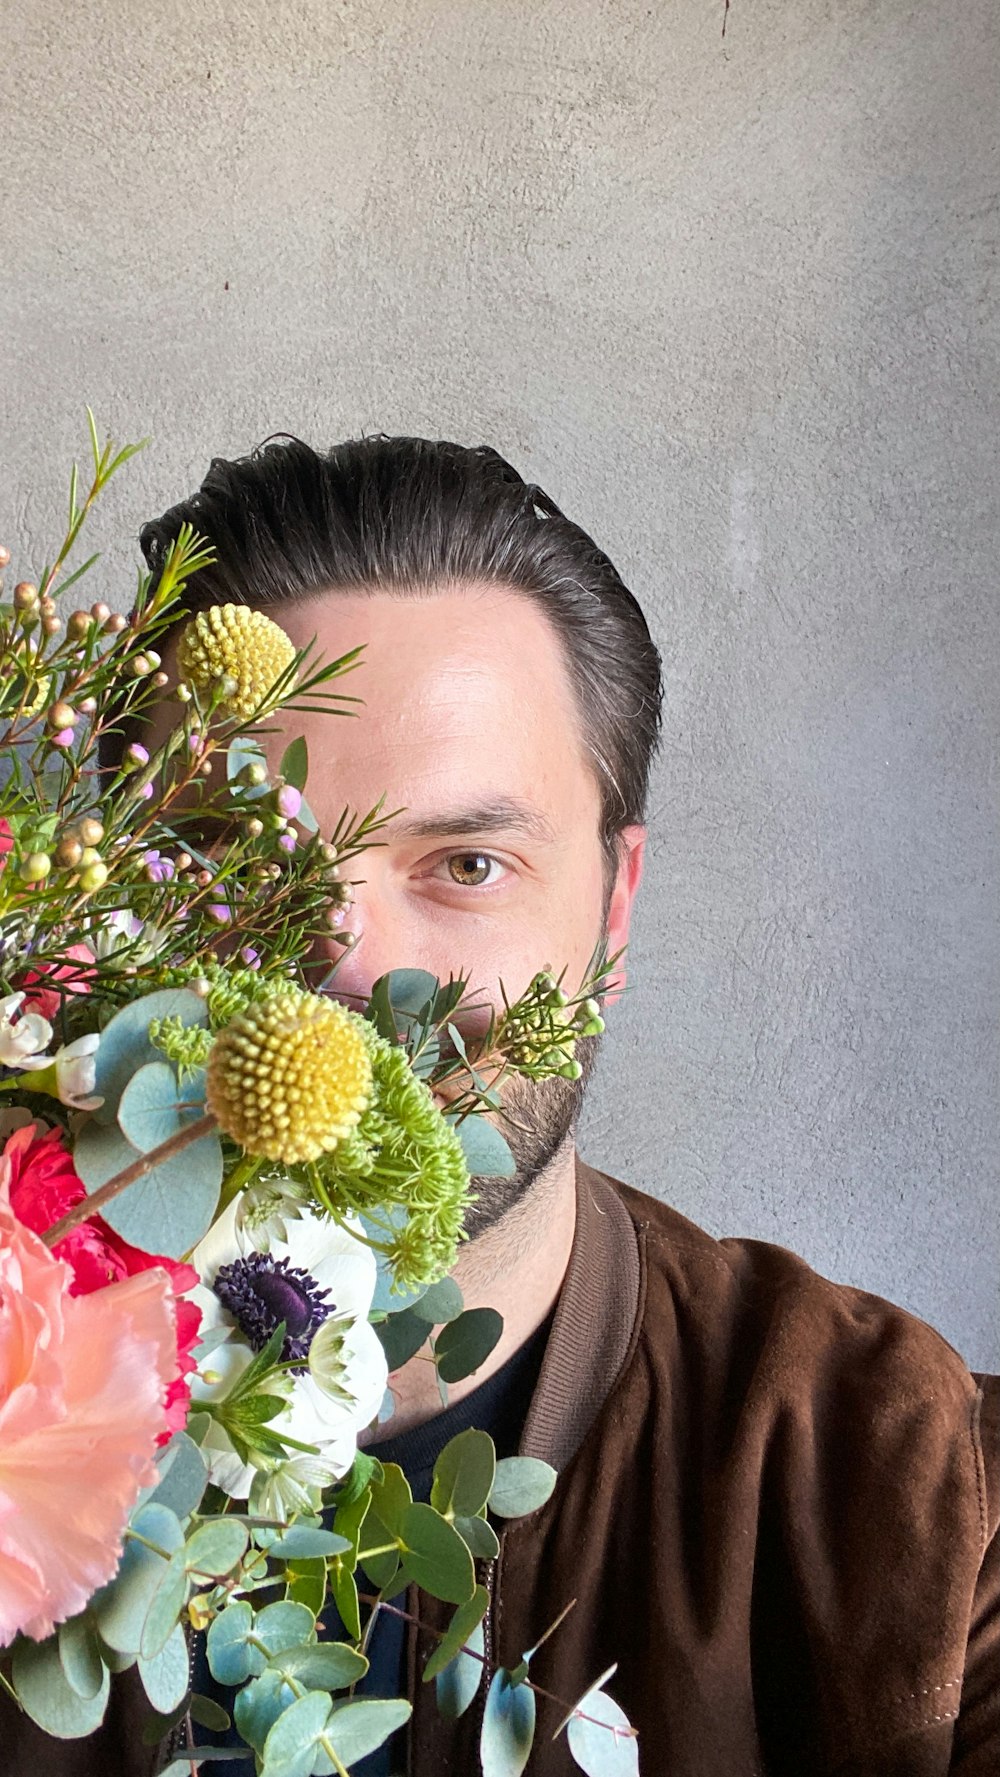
494	869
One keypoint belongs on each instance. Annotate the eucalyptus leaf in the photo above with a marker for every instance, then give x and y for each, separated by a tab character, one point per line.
169	1209
322	1665
358	1728
149	1111
306	1582
216	1547
440	1304
380	1568
258	1706
608	1751
480	1537
80	1657
125	1046
401	1337
119	1608
294	767
303	1540
231	1659
487	1153
464	1344
457	1685
203	1755
391	1497
522	1484
412	991
183	1476
209	1714
165	1676
508	1728
463	1474
435	1557
294	1739
47	1695
284	1625
165	1606
467	1618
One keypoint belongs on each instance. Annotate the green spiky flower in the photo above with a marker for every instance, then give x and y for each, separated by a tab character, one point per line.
403	1153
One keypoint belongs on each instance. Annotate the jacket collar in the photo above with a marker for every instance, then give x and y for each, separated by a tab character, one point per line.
593	1325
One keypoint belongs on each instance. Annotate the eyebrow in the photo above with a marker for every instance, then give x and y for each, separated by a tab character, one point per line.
502	814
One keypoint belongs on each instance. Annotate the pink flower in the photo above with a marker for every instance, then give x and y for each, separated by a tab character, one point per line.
43	1186
6	841
74	972
82	1381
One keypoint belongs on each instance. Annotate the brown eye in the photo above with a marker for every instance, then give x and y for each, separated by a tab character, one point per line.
469	868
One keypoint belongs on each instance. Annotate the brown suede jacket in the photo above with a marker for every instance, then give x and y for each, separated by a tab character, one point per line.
777	1510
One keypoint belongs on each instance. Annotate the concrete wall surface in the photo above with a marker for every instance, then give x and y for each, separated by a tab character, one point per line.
734	304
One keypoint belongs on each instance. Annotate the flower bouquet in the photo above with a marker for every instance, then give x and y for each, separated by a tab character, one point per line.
229	1206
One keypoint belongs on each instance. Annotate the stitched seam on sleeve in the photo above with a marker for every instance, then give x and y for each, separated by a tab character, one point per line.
928	1690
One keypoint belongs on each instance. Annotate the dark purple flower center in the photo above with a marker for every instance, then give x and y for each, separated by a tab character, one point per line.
261	1292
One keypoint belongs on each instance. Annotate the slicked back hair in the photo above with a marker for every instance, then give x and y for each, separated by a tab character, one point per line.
409	515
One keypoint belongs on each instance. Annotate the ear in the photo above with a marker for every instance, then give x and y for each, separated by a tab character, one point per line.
631	855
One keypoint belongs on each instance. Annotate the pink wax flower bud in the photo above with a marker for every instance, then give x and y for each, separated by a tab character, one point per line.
287	841
136	754
220	912
64	738
249	957
289	801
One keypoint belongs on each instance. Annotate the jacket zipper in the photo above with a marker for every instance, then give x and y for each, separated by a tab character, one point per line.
173	1744
488	1654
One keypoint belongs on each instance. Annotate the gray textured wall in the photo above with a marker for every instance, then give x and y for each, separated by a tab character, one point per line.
735	305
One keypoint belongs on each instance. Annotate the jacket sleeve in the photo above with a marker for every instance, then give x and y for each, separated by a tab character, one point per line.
976	1747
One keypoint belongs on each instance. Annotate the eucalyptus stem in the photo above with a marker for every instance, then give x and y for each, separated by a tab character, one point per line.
128	1176
539	1690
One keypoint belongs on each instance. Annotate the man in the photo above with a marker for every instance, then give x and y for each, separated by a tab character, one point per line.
779	1498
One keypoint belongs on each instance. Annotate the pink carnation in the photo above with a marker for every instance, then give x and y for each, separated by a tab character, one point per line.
43	1186
82	1380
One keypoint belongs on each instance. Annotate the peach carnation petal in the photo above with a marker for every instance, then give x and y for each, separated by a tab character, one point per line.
82	1387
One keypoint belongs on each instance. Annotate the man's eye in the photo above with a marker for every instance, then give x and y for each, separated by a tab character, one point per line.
471	869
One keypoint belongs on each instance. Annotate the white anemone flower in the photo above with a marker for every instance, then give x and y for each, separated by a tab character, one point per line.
76	1073
21	1043
318	1273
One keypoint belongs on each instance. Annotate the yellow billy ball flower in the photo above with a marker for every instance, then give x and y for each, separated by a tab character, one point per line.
240	647
290	1076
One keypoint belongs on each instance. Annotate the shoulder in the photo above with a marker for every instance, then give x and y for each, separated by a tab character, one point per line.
838	1377
846	1442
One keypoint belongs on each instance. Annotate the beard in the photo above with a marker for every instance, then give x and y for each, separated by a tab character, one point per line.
539	1117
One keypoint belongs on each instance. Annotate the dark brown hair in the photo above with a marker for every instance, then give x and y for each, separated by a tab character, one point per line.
406	514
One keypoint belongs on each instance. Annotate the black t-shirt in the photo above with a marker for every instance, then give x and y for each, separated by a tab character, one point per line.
498	1407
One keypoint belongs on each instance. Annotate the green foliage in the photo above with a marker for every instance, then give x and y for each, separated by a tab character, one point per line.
464	1344
487	1154
463	1624
435	1557
600	1736
170	1207
458	1682
508	1728
522	1484
401	1336
47	1695
153	1108
463	1475
126	1045
119	1609
165	1676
